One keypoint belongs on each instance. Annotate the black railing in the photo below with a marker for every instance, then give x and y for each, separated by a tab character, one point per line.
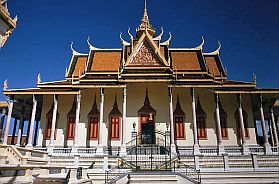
79	173
187	171
66	180
122	168
149	150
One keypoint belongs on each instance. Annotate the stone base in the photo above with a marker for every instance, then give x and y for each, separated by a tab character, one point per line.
50	149
173	149
245	149
267	148
29	146
100	150
74	150
196	149
221	149
123	151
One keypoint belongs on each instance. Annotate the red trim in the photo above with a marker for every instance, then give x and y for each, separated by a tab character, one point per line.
224	129
201	127
48	128
71	128
93	128
179	128
115	127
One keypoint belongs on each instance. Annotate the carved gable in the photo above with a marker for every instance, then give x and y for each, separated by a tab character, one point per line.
145	55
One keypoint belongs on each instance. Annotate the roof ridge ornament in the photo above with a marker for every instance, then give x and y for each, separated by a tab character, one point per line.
39	80
159	37
66	72
254	79
74	51
131	36
5	85
125	43
167	42
217	51
201	45
91	47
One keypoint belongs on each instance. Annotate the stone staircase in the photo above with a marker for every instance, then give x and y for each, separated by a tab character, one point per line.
244	176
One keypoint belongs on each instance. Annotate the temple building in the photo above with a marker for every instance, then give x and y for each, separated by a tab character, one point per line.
7	24
145	98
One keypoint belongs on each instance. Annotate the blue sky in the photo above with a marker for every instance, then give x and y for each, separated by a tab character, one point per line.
247	29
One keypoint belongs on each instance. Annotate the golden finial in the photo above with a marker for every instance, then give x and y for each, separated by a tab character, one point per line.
5	85
39	78
254	79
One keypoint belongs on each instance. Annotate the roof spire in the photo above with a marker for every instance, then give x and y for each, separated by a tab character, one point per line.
145	23
145	15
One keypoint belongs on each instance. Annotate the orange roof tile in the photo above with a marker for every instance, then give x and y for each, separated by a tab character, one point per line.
185	60
80	66
106	61
212	65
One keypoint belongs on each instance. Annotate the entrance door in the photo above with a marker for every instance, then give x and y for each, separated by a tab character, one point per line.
147	131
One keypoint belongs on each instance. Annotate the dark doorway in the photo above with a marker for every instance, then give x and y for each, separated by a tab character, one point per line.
148	136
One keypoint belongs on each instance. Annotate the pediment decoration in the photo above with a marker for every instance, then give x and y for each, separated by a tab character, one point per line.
145	56
72	112
94	110
178	110
146	53
146	108
115	110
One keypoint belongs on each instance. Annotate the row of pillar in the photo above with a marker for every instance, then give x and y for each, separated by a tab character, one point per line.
21	125
245	148
123	146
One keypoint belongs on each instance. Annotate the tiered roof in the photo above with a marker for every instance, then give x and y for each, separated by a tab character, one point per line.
146	58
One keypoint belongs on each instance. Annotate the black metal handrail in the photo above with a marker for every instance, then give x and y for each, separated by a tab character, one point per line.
119	170
79	173
187	171
66	180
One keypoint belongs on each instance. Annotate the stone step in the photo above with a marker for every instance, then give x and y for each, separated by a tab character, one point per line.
240	177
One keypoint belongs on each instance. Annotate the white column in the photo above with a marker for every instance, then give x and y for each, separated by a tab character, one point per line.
221	149
173	147
245	149
195	128
123	138
6	133
53	121
2	121
273	124
77	120
21	124
31	130
267	146
100	150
